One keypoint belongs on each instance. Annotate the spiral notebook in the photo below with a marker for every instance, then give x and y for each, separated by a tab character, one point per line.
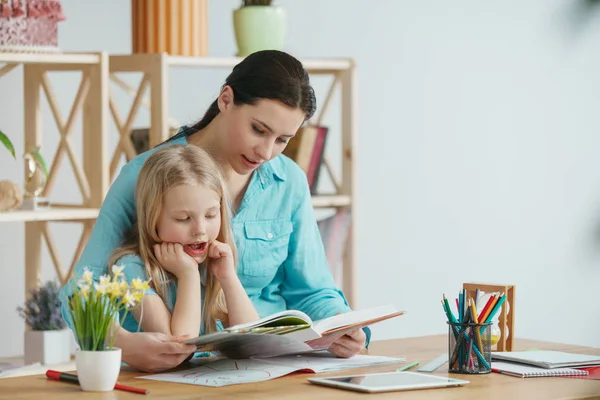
525	371
548	358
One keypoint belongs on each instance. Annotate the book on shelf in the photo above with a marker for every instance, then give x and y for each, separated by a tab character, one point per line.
307	150
316	160
288	332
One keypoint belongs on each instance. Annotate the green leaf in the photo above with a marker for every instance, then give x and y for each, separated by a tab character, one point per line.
39	157
8	144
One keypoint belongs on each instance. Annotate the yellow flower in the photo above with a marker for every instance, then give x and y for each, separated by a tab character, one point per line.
105	280
124	286
87	277
84	289
117	270
138	295
115	289
128	299
138	284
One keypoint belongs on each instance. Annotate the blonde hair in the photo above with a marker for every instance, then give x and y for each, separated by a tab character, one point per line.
166	168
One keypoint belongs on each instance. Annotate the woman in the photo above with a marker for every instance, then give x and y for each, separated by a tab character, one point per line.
282	265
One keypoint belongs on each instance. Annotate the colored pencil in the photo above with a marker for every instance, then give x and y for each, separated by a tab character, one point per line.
70	378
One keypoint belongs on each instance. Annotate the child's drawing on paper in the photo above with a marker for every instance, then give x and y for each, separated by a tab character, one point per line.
225	372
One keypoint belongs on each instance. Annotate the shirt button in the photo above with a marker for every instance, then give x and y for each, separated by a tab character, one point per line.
270	235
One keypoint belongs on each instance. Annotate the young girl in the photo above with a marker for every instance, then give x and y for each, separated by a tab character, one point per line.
184	243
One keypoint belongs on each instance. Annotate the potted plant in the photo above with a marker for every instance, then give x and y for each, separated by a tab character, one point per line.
258	26
94	307
47	341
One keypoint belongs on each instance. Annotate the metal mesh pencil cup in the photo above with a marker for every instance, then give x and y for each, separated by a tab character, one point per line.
469	348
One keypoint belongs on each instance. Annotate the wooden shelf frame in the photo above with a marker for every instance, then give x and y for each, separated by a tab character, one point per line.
155	67
91	171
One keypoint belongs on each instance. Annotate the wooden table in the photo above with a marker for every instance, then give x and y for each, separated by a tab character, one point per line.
295	386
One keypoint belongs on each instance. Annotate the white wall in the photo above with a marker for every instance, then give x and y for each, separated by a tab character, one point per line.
477	152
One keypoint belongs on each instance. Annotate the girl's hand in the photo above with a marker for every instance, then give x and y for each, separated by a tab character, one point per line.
221	261
174	259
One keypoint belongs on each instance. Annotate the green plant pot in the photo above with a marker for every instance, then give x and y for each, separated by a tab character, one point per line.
259	28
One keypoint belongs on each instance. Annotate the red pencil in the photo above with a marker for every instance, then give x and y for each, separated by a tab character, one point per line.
66	377
484	310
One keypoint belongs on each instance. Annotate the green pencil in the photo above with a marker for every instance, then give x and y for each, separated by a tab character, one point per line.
407	366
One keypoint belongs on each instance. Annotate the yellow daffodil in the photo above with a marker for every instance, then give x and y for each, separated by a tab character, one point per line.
84	289
101	289
128	299
115	290
138	284
138	295
124	287
117	270
105	280
87	276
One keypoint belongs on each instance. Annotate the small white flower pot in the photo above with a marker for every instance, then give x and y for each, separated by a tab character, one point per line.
98	371
48	347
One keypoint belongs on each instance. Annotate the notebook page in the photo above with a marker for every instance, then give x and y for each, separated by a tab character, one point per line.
525	371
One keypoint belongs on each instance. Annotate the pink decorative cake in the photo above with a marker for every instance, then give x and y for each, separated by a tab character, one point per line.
29	25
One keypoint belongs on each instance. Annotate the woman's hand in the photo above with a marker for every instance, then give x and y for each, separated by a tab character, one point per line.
349	345
221	261
174	259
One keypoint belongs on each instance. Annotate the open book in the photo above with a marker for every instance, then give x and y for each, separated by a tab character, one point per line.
288	332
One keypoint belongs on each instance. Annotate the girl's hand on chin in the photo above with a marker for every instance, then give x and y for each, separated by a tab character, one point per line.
174	259
221	261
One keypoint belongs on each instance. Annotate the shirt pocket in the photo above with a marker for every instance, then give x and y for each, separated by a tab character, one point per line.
266	246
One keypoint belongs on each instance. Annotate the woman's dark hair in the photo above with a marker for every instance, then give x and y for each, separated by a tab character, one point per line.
266	74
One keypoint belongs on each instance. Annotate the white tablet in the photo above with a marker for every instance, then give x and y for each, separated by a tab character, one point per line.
388	382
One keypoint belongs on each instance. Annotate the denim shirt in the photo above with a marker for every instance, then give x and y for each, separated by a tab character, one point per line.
281	259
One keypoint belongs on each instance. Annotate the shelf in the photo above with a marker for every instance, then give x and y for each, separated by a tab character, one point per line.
56	214
78	214
311	65
331	201
124	63
49	58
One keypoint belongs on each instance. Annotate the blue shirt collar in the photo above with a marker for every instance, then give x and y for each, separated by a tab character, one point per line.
273	168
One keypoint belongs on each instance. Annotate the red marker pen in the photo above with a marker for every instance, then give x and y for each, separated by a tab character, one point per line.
65	377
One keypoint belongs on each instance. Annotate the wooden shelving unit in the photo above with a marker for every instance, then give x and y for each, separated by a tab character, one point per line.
90	169
95	168
54	214
154	69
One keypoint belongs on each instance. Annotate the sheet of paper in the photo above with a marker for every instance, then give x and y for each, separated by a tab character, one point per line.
328	362
231	372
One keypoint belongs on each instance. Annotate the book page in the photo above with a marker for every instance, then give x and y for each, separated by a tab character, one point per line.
288	317
353	317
